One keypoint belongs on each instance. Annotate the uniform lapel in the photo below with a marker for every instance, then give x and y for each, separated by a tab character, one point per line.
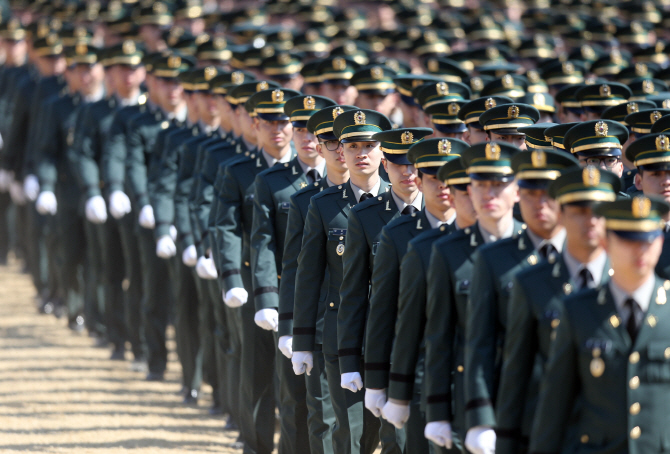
421	225
296	177
611	320
656	305
390	209
346	198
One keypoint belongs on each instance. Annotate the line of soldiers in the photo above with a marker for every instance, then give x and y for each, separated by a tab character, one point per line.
363	216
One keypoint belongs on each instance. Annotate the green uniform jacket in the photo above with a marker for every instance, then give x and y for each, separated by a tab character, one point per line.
663	265
366	221
450	276
14	148
114	154
533	312
273	189
495	265
325	235
235	217
620	404
407	353
297	214
384	295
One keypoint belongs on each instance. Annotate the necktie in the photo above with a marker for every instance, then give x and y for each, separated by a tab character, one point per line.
547	249
409	209
586	278
365	196
313	175
631	324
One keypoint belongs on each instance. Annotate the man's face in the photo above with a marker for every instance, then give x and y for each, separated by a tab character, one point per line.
305	144
493	199
362	158
611	163
128	78
15	51
332	153
50	66
545	117
584	229
474	135
402	177
567	116
206	106
591	115
632	258
462	203
343	94
273	135
437	134
383	104
435	193
654	182
539	211
171	90
228	117
294	83
518	141
246	124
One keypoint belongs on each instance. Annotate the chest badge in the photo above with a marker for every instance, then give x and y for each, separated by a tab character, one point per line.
597	366
340	249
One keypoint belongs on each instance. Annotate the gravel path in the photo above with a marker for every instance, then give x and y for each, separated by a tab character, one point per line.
60	394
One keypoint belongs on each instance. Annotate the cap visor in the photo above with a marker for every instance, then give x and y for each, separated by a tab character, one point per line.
644	237
399	159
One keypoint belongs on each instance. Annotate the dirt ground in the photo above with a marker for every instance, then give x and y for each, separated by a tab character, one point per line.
60	394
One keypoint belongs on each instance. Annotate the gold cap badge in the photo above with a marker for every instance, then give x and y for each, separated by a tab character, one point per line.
444	147
359	118
377	73
601	129
490	103
591	176
454	109
513	112
647	86
407	138
641	207
632	107
237	77
262	86
337	112
442	89
174	62
433	65
507	81
309	103
605	91
663	143
476	83
492	151
210	73
539	100
538	158
277	96
654	116
339	64
129	47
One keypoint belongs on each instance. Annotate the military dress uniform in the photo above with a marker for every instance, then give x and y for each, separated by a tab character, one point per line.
450	275
606	369
322	248
534	309
273	189
427	156
366	221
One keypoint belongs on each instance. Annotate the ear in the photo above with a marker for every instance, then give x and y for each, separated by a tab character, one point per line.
638	182
385	164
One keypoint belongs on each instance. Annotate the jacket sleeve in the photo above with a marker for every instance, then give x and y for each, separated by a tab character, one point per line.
229	221
264	247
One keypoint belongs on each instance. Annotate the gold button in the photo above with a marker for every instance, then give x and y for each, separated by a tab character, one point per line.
460	368
635	433
555	322
635	408
246	263
666	353
634	357
651	320
341	238
332	304
614	320
634	382
584	438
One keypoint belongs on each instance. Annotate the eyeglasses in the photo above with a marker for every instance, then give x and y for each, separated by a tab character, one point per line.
608	161
331	145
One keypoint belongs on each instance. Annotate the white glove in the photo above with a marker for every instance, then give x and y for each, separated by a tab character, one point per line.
439	432
46	203
285	345
146	218
190	256
96	210
206	268
119	204
235	297
31	186
173	232
6	179
302	362
165	247
267	319
17	193
396	414
481	440
375	400
352	381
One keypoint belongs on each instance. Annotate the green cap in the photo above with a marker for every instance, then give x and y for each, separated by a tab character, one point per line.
564	72
155	13
321	123
535	136
269	104
453	173
567	96
596	138
645	70
661	125
557	133
282	65
301	108
471	111
360	125
225	81
543	102
127	53
446	69
337	69
396	143
215	49
644	87
49	46
172	65
511	85
376	78
536	84
642	121
429	155
535	169
489	161
620	112
585	185
444	116
609	65
477	84
407	82
200	79
81	54
506	118
240	94
651	152
603	95
636	219
661	99
12	30
433	93
311	41
430	43
498	69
